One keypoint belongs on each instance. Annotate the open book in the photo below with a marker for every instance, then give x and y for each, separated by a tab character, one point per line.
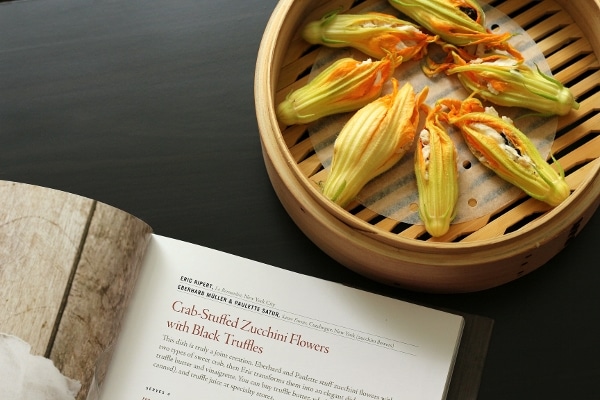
190	322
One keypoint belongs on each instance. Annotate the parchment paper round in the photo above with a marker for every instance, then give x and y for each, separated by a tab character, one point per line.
394	193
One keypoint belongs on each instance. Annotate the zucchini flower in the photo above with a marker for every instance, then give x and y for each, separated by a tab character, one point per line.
374	139
346	85
436	174
458	22
504	81
507	151
375	34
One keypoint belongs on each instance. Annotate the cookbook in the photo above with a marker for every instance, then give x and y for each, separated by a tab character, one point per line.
183	321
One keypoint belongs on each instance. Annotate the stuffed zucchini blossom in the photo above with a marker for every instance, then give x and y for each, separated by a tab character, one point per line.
375	34
436	173
346	85
458	22
503	148
373	140
505	81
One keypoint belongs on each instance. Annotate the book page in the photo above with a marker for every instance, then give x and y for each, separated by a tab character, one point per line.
208	325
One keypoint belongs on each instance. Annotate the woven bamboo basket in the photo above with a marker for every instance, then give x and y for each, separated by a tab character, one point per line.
482	253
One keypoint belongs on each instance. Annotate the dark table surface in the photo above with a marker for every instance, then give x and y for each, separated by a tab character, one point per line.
148	106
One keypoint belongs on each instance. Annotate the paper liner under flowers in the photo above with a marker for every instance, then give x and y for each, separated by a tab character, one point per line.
394	193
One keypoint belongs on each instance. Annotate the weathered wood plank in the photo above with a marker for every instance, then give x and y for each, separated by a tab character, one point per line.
67	269
100	292
41	232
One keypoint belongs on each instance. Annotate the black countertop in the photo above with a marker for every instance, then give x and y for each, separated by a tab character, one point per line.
148	106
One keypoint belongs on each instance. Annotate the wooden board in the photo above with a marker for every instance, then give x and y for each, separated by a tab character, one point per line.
41	237
67	267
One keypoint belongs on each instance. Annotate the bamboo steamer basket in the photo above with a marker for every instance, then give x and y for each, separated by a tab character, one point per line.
476	255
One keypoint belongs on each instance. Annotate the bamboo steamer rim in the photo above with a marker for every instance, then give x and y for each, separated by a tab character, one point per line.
300	196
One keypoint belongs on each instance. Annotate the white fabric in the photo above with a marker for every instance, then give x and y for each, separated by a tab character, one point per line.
24	376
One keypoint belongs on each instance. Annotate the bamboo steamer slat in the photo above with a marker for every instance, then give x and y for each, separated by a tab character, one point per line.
488	251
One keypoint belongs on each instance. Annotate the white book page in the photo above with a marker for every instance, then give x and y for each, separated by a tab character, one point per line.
203	324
